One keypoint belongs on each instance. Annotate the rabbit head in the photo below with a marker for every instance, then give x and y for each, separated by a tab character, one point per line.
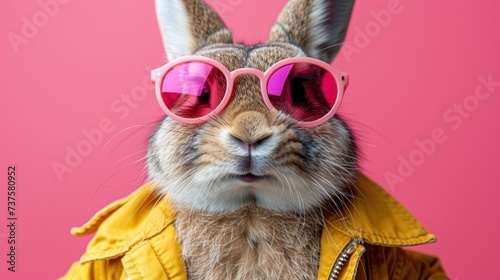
249	154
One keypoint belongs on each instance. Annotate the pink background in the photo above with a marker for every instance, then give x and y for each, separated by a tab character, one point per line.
83	70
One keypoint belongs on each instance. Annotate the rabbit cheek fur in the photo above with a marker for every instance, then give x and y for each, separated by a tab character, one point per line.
268	227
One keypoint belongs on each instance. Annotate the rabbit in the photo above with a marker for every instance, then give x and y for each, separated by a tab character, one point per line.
250	186
249	189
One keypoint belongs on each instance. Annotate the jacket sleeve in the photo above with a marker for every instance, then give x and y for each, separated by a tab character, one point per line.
407	264
96	270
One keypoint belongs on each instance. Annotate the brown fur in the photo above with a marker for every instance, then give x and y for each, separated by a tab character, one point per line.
206	24
270	228
249	243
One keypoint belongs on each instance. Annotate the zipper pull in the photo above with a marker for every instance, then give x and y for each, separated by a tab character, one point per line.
342	259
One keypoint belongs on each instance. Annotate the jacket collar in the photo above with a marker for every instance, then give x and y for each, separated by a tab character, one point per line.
377	218
373	216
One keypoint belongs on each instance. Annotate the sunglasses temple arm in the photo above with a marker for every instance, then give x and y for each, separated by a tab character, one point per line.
345	78
155	74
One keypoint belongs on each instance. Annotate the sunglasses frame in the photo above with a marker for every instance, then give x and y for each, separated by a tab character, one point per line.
157	76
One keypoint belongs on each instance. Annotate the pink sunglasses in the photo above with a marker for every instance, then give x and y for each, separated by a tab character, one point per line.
194	89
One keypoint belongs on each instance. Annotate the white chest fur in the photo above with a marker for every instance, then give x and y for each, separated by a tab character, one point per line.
250	243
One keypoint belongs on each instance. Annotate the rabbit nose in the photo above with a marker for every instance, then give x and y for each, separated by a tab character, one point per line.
250	131
250	145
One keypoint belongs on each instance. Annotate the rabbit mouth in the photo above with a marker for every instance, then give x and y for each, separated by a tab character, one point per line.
249	177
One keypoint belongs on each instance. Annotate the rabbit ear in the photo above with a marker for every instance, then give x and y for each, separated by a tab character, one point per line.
186	25
317	26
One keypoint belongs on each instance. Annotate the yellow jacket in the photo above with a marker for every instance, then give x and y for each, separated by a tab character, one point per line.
136	239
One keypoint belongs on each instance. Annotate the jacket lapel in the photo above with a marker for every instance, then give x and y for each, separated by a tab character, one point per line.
375	217
372	216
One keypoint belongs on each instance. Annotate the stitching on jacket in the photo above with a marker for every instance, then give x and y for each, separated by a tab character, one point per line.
98	269
132	241
404	214
399	211
94	222
353	270
136	267
96	255
398	267
163	264
420	237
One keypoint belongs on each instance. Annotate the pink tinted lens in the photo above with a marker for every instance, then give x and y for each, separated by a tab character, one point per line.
305	91
193	89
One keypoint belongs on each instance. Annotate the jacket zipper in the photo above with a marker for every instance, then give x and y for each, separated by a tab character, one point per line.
342	259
